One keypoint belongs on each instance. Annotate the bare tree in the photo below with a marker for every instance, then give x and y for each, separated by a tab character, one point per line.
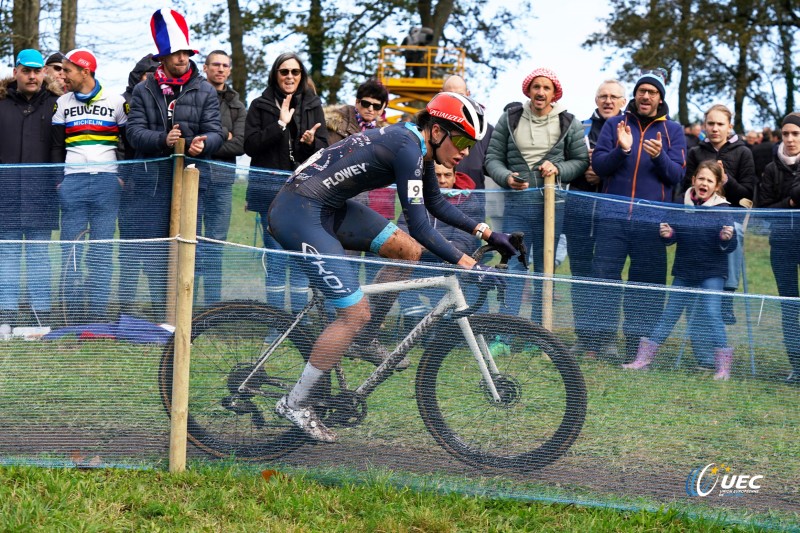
69	21
238	60
25	25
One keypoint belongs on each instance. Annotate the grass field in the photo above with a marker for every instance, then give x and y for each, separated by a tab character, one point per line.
235	499
639	426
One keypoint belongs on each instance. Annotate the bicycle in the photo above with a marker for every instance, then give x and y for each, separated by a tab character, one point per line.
521	410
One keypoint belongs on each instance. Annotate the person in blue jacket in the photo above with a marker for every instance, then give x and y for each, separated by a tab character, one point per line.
704	237
640	155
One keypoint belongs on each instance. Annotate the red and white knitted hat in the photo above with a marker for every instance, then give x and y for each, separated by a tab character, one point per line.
545	73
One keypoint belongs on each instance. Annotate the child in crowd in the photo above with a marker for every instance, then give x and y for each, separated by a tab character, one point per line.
704	237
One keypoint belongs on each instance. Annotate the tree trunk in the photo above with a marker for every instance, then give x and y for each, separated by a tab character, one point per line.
25	27
238	60
787	40
741	82
69	21
316	44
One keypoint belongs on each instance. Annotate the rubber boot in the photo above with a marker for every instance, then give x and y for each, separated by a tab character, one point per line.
723	358
644	356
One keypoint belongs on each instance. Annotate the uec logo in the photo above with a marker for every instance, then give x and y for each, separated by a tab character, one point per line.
704	479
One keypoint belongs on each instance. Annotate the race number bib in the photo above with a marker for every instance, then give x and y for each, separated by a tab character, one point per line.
415	191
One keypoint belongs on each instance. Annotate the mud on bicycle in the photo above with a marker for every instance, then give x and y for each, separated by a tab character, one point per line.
520	407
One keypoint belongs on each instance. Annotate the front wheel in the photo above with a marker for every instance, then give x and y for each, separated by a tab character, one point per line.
227	341
542	403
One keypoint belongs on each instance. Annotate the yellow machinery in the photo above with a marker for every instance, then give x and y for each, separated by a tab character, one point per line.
414	74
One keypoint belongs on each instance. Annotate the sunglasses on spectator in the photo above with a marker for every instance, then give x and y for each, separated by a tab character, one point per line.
57	68
220	65
293	71
461	141
366	104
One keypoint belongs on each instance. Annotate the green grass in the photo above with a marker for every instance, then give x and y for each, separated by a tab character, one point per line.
235	499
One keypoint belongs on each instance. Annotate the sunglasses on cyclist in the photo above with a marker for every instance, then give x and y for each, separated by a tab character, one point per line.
293	71
461	141
366	104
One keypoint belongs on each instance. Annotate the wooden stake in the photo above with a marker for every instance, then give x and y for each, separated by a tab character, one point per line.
174	228
549	250
183	325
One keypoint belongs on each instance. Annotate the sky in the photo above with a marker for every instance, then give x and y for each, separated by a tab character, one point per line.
552	39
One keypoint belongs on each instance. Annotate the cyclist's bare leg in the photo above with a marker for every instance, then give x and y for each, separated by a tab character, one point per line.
334	341
400	245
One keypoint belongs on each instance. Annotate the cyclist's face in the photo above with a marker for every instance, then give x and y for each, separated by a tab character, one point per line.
447	152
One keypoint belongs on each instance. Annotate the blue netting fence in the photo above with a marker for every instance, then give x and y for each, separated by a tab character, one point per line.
87	347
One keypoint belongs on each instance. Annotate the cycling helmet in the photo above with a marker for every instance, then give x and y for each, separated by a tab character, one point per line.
457	111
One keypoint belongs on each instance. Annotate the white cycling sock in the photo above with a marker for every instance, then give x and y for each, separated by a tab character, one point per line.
299	394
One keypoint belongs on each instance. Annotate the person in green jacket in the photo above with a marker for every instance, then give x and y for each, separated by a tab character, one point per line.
532	141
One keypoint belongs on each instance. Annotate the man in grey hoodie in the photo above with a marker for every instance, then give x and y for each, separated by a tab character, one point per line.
531	142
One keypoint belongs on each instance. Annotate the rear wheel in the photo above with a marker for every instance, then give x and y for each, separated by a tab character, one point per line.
227	341
542	403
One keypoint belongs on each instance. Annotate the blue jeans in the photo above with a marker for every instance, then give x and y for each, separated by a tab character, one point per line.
616	240
579	227
275	275
706	329
37	266
784	257
89	201
215	221
530	222
735	259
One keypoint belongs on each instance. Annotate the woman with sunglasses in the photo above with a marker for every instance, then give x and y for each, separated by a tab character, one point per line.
284	126
529	143
315	213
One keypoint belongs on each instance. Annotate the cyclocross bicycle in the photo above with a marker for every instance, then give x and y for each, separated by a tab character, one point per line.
520	407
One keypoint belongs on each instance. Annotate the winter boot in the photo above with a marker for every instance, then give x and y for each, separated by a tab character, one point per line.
723	358
644	356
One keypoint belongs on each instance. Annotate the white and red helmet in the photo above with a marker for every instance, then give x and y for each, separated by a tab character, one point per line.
459	111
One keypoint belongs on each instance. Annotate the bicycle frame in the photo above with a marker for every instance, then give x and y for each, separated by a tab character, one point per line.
453	300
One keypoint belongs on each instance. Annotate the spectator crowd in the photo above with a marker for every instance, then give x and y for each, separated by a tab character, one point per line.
56	110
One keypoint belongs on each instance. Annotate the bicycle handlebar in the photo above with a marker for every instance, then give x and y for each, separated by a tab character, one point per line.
517	239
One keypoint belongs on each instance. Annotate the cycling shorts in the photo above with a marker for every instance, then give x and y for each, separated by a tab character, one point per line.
307	226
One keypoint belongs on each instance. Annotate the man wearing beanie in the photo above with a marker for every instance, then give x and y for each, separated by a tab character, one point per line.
172	103
640	156
88	125
530	142
28	204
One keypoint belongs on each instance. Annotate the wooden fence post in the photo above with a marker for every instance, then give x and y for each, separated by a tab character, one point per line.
183	325
549	250
174	228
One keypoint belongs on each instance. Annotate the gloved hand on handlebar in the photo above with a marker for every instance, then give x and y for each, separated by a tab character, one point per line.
502	243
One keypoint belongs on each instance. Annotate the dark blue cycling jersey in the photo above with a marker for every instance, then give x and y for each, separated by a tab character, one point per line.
377	158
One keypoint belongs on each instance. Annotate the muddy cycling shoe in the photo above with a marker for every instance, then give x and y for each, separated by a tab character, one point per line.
375	353
306	420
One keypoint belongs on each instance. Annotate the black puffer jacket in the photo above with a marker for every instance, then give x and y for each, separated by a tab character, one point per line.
232	115
774	191
737	159
196	110
28	197
271	147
